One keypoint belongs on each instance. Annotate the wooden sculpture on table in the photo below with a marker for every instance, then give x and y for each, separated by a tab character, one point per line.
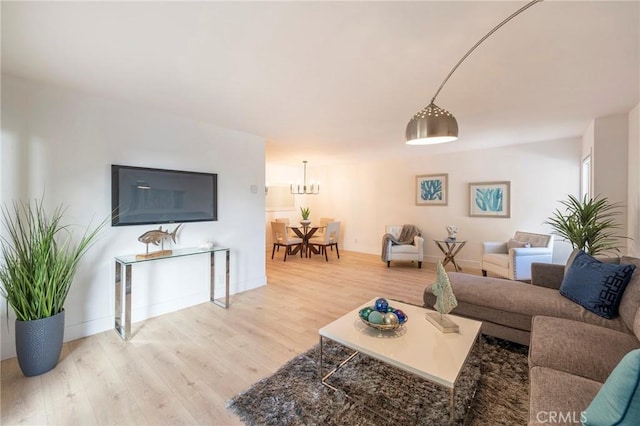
445	302
157	237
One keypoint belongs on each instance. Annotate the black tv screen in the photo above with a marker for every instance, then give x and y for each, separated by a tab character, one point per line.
141	195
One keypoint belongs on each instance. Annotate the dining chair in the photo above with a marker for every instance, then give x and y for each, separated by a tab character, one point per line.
286	222
323	223
330	239
282	239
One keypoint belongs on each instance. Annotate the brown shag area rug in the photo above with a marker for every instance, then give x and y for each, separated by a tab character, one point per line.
492	389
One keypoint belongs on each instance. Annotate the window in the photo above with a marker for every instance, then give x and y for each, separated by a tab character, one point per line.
585	178
278	198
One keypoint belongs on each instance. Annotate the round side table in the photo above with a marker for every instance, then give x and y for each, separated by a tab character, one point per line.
450	249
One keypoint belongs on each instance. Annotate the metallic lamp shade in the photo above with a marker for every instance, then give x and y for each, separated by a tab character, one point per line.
432	125
436	125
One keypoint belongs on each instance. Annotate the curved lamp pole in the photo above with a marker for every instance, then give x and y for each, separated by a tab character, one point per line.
433	124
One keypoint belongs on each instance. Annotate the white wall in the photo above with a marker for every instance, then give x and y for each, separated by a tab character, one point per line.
610	140
633	190
61	144
610	153
367	195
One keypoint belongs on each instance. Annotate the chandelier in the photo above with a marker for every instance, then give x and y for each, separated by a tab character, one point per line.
312	189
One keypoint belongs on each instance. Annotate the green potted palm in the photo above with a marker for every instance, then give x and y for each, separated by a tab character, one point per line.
588	224
39	260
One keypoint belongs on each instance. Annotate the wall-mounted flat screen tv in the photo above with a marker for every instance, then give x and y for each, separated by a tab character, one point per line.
140	195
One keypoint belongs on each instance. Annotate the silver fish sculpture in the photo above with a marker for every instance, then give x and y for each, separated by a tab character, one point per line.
157	236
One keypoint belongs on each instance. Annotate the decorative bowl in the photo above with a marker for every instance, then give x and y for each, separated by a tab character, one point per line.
383	327
382	316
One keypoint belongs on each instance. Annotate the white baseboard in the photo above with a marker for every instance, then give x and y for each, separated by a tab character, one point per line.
463	263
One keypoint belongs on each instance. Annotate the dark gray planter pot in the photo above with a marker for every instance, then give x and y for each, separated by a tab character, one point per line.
39	343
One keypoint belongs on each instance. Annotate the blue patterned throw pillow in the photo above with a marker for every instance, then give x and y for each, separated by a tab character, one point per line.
596	286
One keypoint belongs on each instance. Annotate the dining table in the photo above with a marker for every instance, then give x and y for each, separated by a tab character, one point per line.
305	232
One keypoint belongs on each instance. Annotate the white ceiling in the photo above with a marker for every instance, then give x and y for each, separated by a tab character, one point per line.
325	80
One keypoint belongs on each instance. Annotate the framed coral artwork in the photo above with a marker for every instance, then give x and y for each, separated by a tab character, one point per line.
431	190
490	199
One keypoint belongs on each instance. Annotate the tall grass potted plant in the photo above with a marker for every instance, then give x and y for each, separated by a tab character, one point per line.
588	224
39	260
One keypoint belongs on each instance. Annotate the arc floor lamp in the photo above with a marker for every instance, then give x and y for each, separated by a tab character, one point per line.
433	124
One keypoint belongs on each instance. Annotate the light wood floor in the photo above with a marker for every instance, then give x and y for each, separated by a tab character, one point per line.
183	367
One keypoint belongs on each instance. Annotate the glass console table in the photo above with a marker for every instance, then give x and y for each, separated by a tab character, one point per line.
123	290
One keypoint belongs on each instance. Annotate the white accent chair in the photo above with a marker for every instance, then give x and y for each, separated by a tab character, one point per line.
410	252
512	259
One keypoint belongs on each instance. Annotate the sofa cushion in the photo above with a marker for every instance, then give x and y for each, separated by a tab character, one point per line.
631	297
596	286
548	275
557	397
567	345
536	240
636	325
514	304
404	248
618	400
506	333
517	244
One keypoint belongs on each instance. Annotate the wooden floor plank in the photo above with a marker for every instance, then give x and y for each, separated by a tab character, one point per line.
112	402
66	402
183	367
155	398
22	400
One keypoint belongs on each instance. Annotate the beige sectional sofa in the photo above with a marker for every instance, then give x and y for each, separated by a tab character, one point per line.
572	351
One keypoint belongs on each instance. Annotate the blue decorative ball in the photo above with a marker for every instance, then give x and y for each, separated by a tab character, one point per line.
402	317
381	305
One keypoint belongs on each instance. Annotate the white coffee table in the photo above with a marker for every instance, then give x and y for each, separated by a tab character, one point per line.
418	347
